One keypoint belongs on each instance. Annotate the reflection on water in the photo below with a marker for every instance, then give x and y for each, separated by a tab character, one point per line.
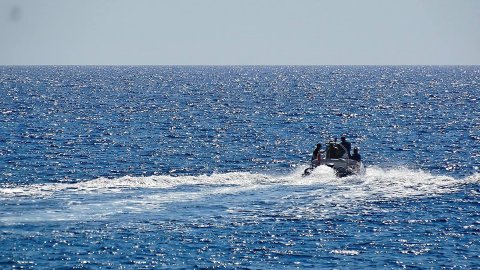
200	167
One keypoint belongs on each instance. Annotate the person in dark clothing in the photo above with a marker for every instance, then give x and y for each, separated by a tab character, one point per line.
332	150
315	160
346	145
356	156
317	151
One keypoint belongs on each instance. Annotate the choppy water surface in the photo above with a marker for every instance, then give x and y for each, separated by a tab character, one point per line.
199	167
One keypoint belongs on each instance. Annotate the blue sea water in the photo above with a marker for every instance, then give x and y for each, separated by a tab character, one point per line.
182	167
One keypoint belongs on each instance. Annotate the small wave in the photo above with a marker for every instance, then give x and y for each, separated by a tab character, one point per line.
345	252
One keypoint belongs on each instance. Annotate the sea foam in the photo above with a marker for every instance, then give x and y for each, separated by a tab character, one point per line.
378	182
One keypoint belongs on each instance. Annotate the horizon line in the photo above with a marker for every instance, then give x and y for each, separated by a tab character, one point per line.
239	65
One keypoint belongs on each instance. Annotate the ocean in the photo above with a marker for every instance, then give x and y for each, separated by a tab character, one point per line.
199	167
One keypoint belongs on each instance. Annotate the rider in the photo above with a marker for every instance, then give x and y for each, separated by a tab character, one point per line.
346	145
332	150
317	151
356	156
317	154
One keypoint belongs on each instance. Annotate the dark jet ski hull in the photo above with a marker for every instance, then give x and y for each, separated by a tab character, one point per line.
342	167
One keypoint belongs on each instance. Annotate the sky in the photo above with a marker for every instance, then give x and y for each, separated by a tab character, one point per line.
240	32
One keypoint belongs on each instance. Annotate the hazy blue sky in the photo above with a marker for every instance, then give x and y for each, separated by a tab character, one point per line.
238	32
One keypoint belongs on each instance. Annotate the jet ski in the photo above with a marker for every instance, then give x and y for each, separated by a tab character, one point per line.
342	166
337	158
